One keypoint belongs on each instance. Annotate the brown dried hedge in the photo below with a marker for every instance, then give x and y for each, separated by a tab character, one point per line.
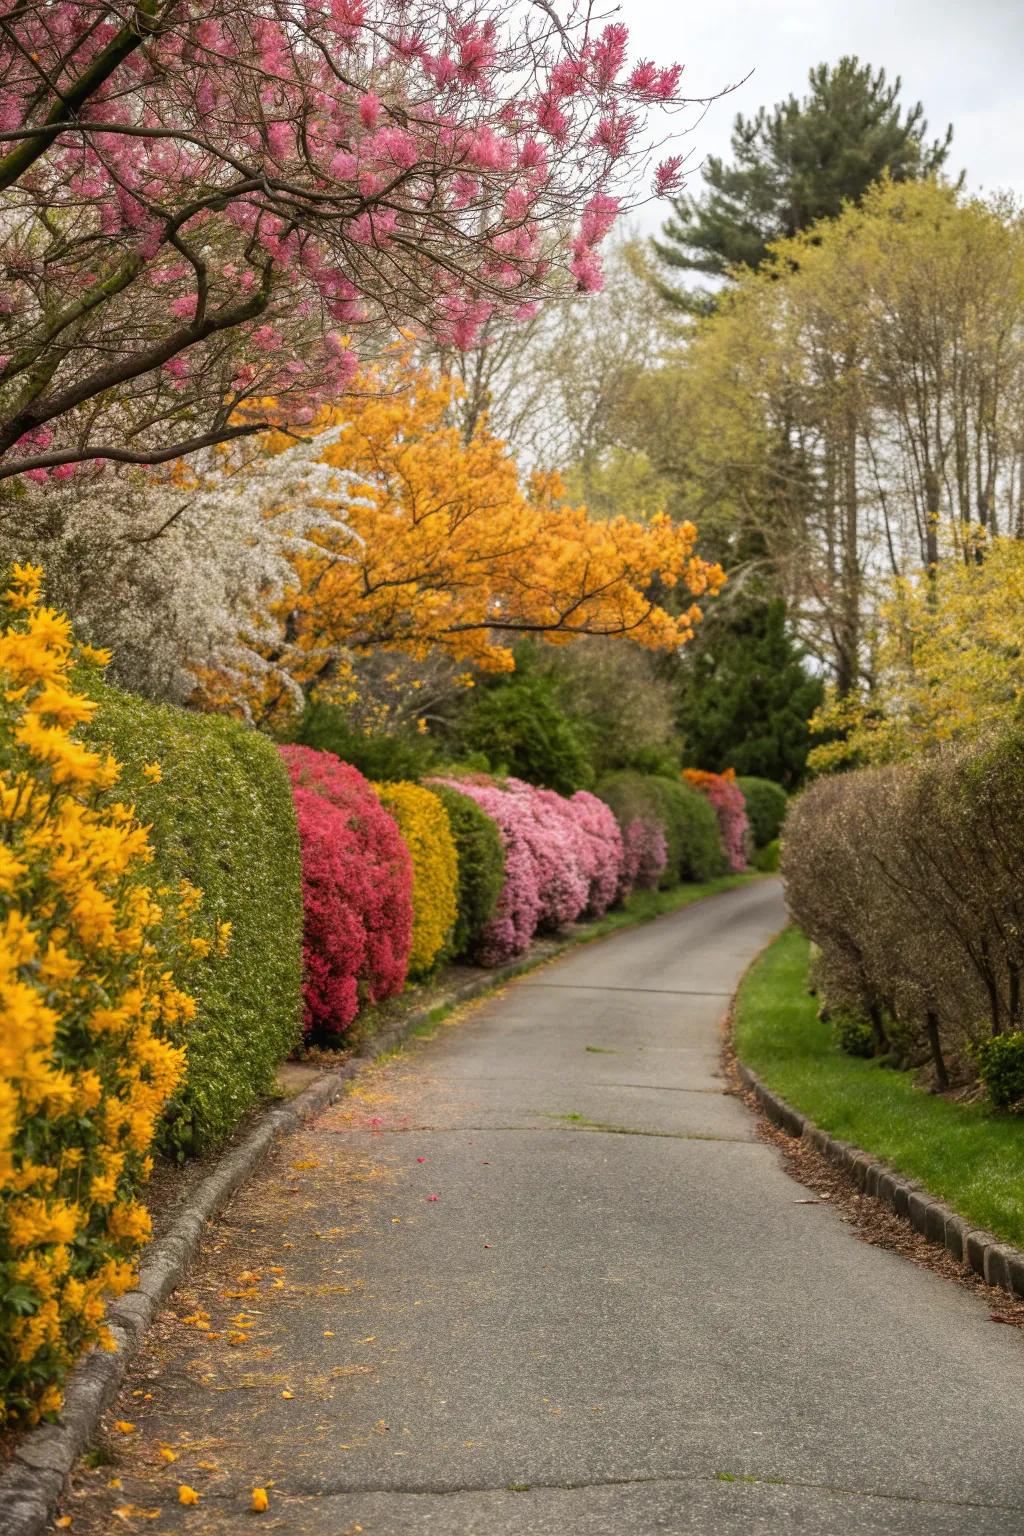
910	879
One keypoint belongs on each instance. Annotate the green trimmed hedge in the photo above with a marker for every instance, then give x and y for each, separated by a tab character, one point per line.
767	803
222	817
687	817
481	868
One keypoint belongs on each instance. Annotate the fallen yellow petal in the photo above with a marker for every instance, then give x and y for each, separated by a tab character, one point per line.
260	1501
286	1393
124	1427
168	1454
187	1495
64	1523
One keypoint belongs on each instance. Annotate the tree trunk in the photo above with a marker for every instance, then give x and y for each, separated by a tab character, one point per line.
931	1030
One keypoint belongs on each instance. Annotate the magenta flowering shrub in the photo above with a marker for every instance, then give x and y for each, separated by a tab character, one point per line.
356	891
515	920
601	848
644	856
726	798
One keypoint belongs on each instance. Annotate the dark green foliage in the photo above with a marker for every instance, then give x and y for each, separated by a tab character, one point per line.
796	164
1001	1069
481	868
766	804
381	758
854	1033
519	723
687	817
222	818
768	858
746	694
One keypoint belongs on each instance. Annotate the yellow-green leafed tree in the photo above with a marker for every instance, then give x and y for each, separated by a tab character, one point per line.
423	823
949	661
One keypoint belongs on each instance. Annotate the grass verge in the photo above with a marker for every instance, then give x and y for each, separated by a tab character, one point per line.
966	1154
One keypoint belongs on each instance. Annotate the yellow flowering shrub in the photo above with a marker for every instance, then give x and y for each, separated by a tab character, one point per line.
90	962
425	828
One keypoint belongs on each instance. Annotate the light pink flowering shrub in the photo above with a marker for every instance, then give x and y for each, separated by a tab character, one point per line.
644	856
602	850
556	841
563	859
515	921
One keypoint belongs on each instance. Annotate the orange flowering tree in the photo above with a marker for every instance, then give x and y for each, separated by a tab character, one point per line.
90	963
426	542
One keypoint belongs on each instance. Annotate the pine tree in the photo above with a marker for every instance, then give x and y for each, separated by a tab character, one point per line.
747	695
794	165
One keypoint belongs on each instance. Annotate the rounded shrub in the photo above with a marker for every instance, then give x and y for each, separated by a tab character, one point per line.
357	892
602	850
557	844
766	805
222	819
854	1033
423	822
1001	1068
768	858
644	856
693	847
481	865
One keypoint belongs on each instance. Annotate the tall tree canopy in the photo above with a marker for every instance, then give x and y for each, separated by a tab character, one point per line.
798	163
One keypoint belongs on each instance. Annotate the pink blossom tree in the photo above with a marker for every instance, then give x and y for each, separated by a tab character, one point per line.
203	207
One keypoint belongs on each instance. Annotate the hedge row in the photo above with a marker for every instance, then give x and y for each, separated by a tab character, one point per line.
222	819
490	863
910	879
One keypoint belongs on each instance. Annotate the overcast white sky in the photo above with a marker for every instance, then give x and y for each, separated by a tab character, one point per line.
964	59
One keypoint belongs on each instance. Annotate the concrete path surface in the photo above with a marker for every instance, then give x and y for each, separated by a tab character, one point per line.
539	1276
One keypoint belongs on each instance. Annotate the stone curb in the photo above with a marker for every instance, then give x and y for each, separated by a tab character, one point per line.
33	1481
996	1263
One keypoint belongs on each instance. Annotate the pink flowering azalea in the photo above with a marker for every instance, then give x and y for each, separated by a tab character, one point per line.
515	921
602	850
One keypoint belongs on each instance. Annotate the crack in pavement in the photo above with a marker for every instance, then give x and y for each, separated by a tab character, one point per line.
592	1126
440	1490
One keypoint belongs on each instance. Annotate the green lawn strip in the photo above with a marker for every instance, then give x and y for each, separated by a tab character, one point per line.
966	1154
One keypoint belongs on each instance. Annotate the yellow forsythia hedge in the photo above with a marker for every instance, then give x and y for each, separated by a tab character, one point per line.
423	823
90	964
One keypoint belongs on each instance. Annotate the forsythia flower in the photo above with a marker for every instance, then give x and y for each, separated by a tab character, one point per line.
426	830
89	966
153	773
